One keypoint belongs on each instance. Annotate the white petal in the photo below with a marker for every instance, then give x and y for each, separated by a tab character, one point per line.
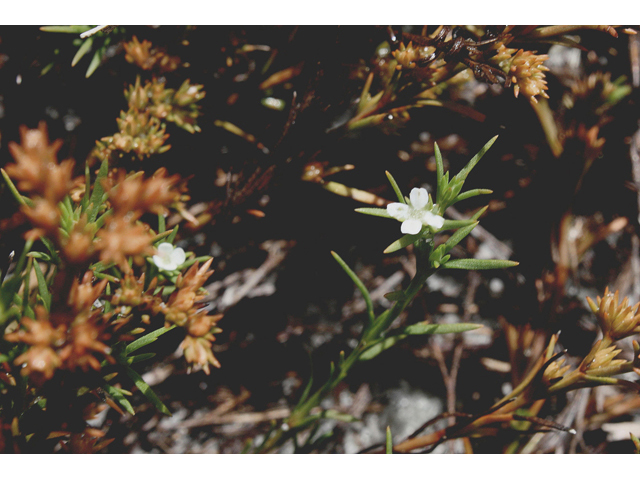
163	264
435	221
419	198
165	249
411	226
178	256
399	211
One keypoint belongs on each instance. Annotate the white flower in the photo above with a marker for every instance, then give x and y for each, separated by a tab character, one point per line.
416	214
169	258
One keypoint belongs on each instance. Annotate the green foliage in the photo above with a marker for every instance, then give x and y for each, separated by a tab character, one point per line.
98	43
376	338
393	337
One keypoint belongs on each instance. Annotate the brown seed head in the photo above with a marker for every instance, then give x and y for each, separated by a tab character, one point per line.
617	320
120	238
36	169
40	362
84	294
409	55
134	193
44	216
85	338
198	351
602	362
39	331
78	248
201	324
147	57
555	371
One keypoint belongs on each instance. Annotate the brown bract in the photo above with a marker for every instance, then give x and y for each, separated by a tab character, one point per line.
40	360
37	169
525	70
121	238
197	350
134	193
38	172
183	309
148	57
617	319
84	294
78	247
85	339
131	291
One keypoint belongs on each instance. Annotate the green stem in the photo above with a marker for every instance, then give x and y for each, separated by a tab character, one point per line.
371	333
549	126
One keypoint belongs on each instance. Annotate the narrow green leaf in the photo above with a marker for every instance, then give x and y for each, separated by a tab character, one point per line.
77	212
455	224
440	180
603	380
401	243
395	187
14	191
191	261
636	442
458	236
475	264
55	258
161	223
172	237
354	278
147	391
95	201
439	163
377	212
479	213
462	175
472	193
117	395
395	296
82	51
418	329
40	256
68	208
87	181
307	391
140	358
380	346
389	442
100	267
46	68
23	257
146	340
332	370
26	289
335	415
65	28
42	287
156	240
439	328
99	223
95	62
102	276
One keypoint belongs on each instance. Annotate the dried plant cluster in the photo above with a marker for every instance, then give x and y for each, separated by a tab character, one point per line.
98	290
99	277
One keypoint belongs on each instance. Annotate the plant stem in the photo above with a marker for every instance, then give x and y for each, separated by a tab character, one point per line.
370	335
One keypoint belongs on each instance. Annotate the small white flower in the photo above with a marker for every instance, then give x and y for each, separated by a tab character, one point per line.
416	214
169	258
